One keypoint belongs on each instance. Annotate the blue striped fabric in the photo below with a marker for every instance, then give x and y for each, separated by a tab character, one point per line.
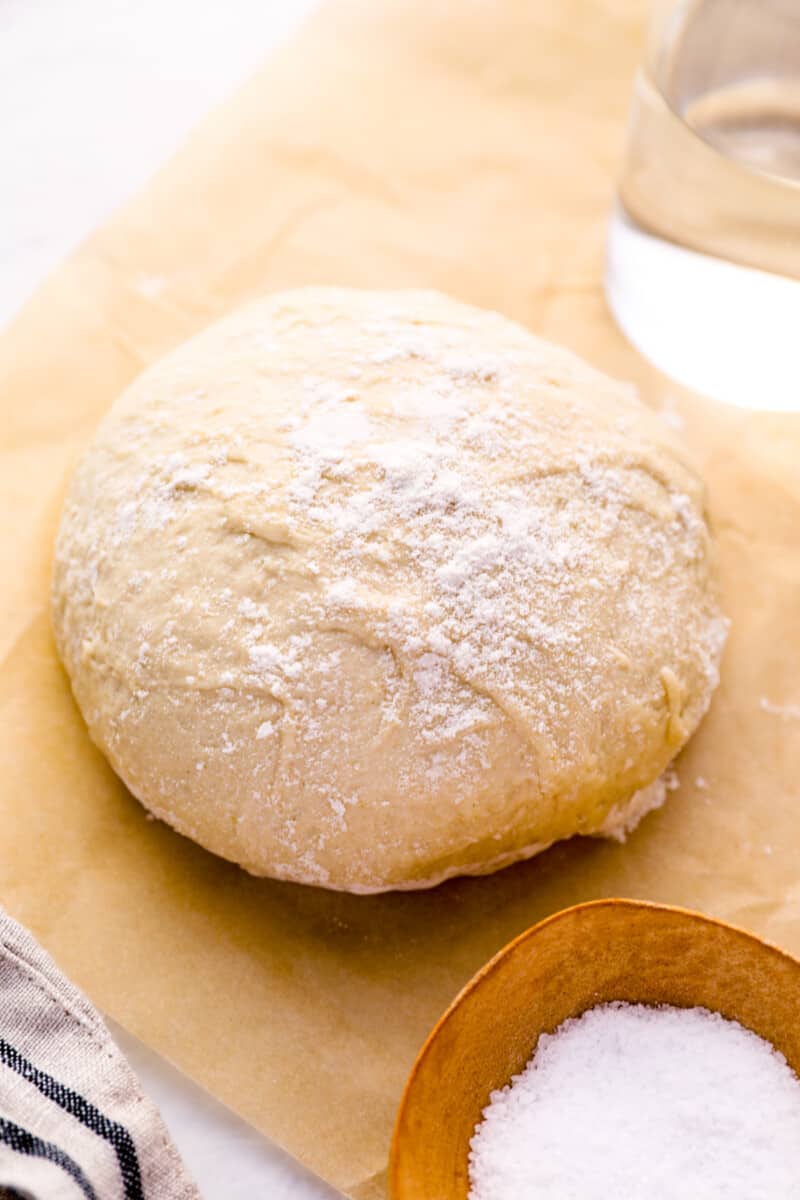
74	1123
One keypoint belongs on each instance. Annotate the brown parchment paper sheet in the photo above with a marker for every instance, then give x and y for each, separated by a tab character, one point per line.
471	147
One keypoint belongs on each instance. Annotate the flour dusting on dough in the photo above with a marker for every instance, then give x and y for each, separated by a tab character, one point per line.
370	589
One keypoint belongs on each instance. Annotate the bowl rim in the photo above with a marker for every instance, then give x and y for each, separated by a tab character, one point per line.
493	963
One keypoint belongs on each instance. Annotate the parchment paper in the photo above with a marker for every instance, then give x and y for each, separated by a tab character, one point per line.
471	147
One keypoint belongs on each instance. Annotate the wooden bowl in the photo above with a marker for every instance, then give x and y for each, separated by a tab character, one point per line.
605	950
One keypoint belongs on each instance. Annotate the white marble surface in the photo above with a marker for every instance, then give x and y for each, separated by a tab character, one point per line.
228	1158
94	95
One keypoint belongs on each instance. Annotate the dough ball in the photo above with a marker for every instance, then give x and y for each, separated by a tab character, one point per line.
369	589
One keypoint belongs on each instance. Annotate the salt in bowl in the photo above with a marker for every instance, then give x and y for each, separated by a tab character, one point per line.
590	954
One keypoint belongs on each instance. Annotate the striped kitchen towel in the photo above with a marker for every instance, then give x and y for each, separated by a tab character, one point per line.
74	1123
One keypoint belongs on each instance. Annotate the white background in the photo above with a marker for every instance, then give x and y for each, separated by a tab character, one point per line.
94	95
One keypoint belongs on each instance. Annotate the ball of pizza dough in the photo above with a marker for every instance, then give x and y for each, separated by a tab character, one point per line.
368	589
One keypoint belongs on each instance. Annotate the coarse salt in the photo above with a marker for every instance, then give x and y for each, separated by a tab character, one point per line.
643	1103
